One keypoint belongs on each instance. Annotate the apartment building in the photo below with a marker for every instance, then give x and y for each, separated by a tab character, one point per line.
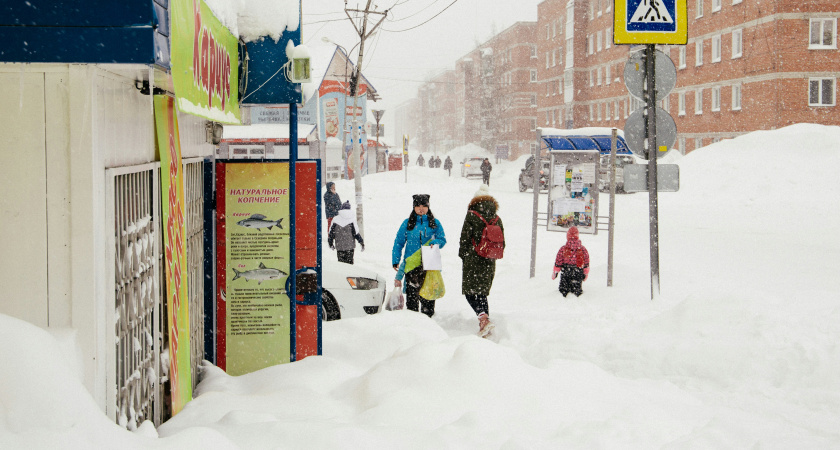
489	99
748	65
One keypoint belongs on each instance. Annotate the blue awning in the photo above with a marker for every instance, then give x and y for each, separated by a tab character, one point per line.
580	143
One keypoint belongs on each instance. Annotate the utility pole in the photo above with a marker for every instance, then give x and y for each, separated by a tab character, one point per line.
354	84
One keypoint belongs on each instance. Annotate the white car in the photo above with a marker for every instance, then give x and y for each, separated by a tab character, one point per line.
471	167
350	291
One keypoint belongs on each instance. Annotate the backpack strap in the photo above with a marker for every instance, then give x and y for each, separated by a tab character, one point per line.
496	219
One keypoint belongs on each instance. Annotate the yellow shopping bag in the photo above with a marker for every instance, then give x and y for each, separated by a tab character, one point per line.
433	287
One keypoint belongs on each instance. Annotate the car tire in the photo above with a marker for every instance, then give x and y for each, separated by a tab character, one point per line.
329	306
522	187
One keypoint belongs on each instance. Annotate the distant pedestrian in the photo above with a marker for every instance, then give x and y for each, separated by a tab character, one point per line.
447	165
332	202
421	228
478	271
421	161
572	263
344	232
486	168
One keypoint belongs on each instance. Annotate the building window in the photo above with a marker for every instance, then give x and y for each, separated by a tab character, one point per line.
591	112
698	51
598	72
533	76
607	74
823	33
699	8
608	36
626	109
716	98
598	37
736	97
666	103
735	2
598	109
591	10
591	78
590	44
682	145
682	57
533	51
533	124
533	99
698	142
552	117
560	86
698	101
716	48
547	60
616	110
821	91
554	29
681	104
546	118
553	58
560	55
547	33
716	5
600	11
609	5
737	43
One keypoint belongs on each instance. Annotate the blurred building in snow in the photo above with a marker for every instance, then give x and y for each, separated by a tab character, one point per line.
747	66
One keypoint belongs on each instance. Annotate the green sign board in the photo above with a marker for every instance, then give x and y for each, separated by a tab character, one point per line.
205	63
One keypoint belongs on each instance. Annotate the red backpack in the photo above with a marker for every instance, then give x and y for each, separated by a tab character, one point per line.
492	243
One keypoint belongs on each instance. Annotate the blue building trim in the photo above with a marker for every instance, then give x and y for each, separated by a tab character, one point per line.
85	32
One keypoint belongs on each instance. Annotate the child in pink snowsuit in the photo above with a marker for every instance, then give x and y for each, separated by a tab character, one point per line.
572	263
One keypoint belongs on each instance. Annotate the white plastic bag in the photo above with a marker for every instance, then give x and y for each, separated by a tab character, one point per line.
431	257
395	300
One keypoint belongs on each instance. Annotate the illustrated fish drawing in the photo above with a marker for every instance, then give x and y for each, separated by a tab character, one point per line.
261	274
260	221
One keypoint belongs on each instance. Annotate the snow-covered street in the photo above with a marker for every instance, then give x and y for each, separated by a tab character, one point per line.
739	351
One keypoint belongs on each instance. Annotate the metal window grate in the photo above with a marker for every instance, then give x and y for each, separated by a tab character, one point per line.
137	298
194	199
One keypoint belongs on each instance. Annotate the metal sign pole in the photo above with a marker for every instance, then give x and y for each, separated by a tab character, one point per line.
652	152
612	208
535	184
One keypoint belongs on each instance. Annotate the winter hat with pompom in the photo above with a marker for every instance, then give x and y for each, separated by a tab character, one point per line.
482	191
572	233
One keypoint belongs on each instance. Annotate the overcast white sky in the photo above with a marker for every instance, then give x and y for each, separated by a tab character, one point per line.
397	61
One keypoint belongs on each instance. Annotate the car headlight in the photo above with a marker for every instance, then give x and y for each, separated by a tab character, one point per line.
362	283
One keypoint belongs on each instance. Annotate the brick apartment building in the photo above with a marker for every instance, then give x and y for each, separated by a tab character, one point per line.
748	65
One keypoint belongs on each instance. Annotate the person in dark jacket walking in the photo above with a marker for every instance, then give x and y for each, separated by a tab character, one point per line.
421	228
478	272
572	263
486	168
344	233
332	203
447	165
421	161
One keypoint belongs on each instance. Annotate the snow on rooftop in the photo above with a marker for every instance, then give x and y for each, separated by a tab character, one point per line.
587	131
253	19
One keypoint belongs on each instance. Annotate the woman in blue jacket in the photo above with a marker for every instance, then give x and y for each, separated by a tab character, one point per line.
421	228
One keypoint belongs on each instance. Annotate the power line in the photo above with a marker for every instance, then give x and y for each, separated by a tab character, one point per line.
423	23
418	12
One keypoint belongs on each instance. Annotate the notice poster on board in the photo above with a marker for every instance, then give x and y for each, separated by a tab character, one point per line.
573	196
257	312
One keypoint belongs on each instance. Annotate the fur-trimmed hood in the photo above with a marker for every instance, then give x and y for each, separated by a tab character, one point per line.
485	205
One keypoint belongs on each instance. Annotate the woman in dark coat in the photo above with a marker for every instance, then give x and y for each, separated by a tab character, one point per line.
332	203
478	271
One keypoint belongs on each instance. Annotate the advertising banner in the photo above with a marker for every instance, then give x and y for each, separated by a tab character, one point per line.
573	197
175	245
254	313
205	63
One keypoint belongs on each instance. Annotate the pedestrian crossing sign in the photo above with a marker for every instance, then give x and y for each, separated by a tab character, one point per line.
651	22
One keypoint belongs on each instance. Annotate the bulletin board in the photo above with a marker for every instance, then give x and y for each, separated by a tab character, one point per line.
573	190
